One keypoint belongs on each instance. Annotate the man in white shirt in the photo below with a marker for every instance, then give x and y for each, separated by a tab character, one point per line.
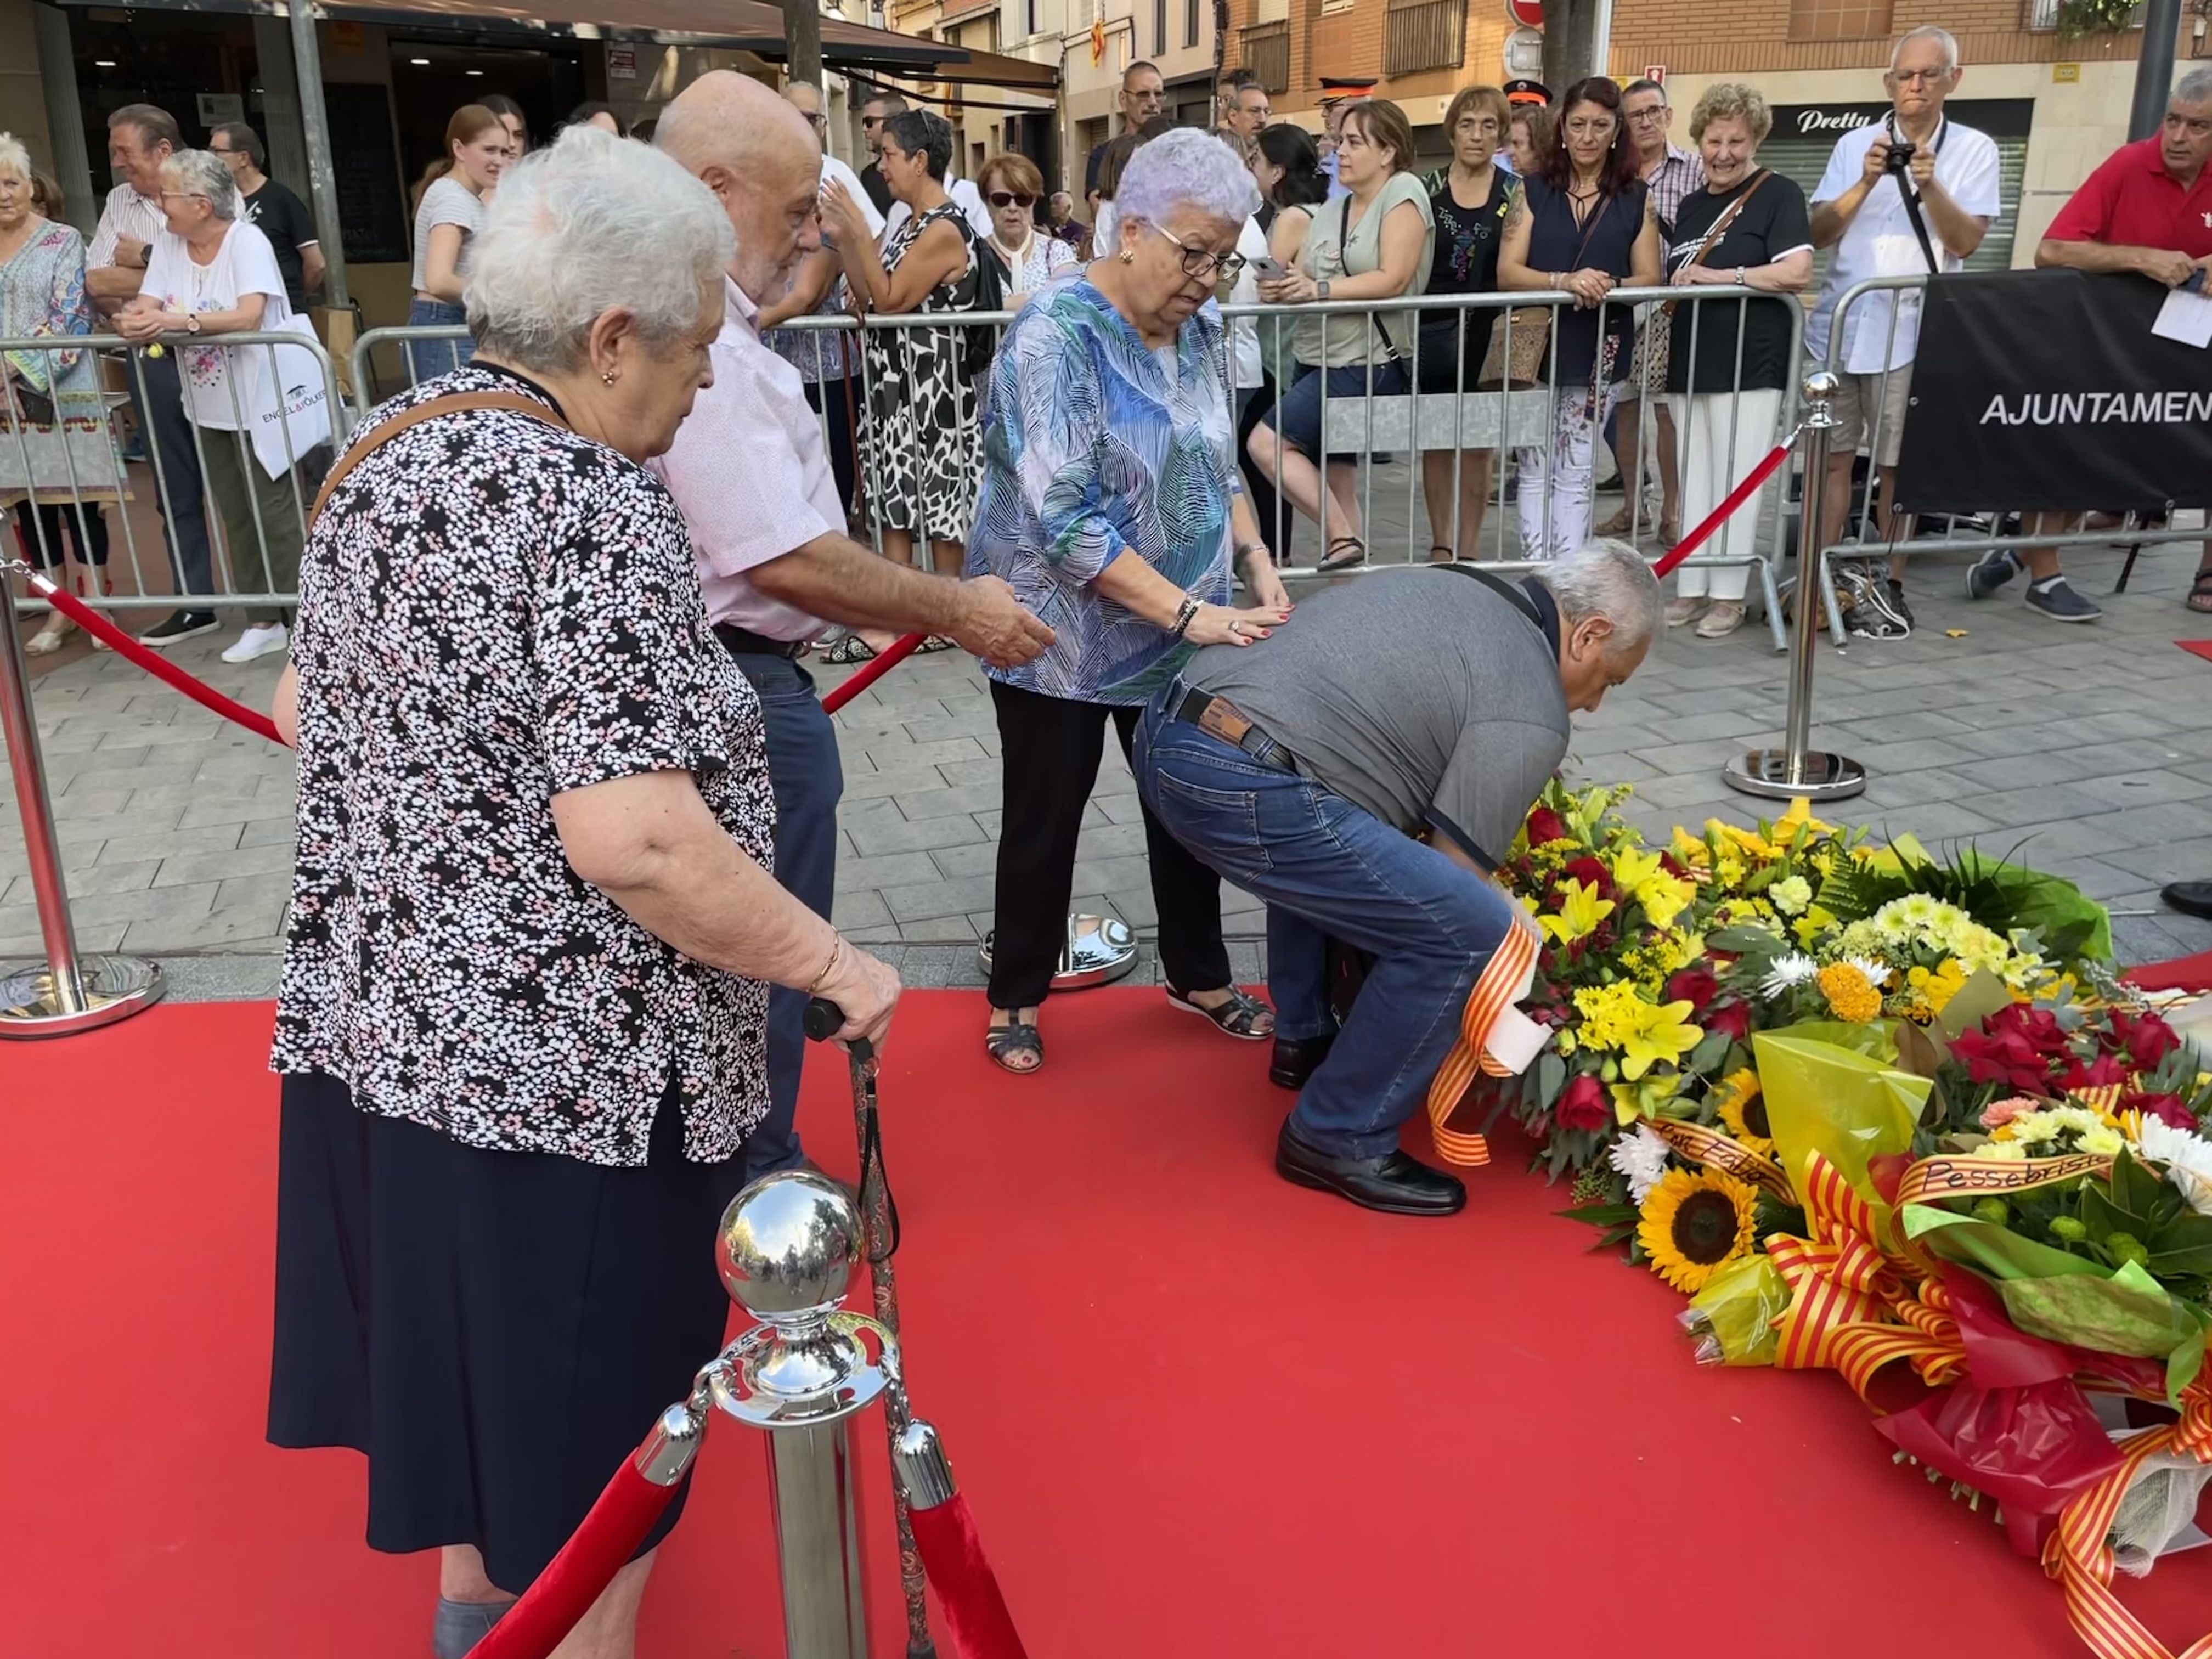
749	469
1912	172
140	138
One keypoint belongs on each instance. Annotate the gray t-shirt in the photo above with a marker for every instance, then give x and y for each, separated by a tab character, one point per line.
1425	696
447	201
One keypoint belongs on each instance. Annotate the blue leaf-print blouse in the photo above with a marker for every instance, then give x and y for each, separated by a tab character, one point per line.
1095	443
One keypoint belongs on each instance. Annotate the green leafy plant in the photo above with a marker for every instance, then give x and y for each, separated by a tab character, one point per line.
2078	18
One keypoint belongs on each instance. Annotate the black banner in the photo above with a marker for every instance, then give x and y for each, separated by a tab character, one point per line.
2000	118
2046	389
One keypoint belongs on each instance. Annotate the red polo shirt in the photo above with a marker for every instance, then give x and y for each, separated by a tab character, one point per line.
2132	201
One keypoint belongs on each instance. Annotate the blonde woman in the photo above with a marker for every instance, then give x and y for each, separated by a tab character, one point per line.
450	213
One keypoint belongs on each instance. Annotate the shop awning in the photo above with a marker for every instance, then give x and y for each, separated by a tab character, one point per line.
753	25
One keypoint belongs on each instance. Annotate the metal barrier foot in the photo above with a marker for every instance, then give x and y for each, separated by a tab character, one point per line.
1825	776
34	1004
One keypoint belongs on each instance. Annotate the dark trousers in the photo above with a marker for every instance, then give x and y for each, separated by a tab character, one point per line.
835	400
808	777
1051	747
41	530
1277	522
181	498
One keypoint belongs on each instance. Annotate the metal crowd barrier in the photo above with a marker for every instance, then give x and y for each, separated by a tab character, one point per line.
1446	427
62	480
1868	530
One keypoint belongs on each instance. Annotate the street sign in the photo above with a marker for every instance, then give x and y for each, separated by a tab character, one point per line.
1527	14
1655	72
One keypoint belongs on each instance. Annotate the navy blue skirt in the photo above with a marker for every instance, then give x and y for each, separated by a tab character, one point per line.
495	1331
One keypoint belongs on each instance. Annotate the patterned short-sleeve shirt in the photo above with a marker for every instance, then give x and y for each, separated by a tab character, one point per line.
493	611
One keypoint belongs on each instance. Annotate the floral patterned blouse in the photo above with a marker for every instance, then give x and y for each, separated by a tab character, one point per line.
493	611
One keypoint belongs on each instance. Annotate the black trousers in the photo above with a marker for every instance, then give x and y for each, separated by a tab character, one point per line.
1277	522
834	401
1051	747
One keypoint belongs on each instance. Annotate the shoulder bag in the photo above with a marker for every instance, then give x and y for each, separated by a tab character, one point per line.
1518	351
452	403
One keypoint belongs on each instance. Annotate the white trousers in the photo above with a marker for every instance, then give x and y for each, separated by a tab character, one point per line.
1720	437
1556	477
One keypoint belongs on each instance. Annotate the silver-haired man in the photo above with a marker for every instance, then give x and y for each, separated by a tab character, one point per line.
1304	771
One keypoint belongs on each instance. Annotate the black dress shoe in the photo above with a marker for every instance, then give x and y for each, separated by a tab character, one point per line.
1296	1058
2191	898
1396	1184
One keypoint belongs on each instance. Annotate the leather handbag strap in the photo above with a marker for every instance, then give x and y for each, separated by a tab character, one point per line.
454	402
1714	232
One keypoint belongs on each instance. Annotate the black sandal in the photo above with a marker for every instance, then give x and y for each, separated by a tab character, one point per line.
1004	1043
2200	592
1450	556
840	653
1329	561
1239	1016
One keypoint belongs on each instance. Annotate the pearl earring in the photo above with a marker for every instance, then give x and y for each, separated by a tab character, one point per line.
607	378
1127	257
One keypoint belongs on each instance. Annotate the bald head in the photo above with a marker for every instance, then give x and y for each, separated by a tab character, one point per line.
757	153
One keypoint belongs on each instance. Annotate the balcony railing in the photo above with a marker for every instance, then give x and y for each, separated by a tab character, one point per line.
1428	35
1267	54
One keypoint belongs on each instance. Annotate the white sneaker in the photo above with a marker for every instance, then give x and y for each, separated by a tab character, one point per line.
261	639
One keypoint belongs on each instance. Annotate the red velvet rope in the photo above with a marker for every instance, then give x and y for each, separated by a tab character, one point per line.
587	1562
953	1555
869	673
1720	515
152	662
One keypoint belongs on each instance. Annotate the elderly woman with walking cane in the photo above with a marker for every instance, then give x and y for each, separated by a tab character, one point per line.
1111	506
523	1023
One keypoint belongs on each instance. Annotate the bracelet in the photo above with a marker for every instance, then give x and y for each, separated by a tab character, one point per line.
1184	613
836	954
1248	549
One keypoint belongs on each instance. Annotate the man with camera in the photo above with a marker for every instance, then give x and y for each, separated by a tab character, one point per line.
1912	194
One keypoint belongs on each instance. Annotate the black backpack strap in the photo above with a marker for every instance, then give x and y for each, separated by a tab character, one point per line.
1513	595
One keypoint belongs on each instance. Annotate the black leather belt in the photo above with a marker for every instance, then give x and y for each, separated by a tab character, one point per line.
1223	718
744	642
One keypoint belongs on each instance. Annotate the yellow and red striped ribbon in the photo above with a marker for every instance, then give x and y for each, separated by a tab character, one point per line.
1701	1143
2079	1551
1837	1277
1495	990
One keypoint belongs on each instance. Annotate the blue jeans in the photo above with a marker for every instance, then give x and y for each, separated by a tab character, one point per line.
808	777
1297	416
1327	868
428	358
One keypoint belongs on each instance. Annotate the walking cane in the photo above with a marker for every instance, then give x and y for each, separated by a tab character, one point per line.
879	1221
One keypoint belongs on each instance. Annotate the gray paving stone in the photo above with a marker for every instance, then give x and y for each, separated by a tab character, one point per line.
940	803
187	869
904	753
128	848
259	920
902	835
276	803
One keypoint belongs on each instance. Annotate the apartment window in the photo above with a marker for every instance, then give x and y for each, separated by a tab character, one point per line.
2042	15
1159	28
1840	20
1423	34
1267	54
1190	22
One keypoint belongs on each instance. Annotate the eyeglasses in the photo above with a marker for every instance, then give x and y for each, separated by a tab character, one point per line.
867	121
1007	199
1198	262
817	120
185	196
1919	78
1656	113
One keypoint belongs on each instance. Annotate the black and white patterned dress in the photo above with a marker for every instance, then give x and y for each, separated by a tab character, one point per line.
922	447
493	611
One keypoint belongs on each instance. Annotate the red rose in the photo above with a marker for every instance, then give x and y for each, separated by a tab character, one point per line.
1546	825
1696	986
1732	1017
2002	1056
1582	1104
2168	1109
1592	873
2145	1039
1674	867
2106	1068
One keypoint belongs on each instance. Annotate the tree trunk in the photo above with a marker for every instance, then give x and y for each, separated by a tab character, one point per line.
802	38
1220	56
1570	43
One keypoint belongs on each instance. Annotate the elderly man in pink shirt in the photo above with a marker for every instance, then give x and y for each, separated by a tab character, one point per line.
750	472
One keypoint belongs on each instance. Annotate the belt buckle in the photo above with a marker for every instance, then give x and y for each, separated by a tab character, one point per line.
1221	718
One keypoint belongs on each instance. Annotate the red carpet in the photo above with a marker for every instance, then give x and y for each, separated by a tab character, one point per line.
1199	1411
2197	648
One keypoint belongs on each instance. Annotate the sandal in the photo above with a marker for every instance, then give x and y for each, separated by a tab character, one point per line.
1330	561
1016	1040
841	653
1618	525
935	642
1670	534
51	638
1439	554
2200	591
1239	1016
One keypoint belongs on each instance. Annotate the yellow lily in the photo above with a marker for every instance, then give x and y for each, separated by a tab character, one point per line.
1635	1101
1580	911
1663	898
1665	1034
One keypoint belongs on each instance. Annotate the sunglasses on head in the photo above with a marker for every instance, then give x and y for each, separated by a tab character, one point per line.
1001	198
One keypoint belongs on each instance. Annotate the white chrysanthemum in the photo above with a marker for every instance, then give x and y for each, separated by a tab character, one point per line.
1642	1157
2187	1157
1877	973
2105	1143
1793	970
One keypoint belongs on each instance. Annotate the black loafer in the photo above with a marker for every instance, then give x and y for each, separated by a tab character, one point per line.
2191	898
1295	1060
1396	1185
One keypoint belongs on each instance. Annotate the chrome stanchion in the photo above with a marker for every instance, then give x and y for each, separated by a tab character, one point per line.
1797	769
1099	951
70	993
786	1248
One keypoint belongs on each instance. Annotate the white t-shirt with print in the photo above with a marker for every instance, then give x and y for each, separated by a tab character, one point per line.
245	264
1880	242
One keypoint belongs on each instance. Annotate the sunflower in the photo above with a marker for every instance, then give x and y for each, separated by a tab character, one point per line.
1693	1223
1743	1110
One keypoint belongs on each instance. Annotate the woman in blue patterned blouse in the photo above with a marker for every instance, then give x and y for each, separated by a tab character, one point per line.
1111	506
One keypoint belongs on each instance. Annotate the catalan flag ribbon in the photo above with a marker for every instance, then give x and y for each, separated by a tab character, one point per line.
1840	1276
1495	1038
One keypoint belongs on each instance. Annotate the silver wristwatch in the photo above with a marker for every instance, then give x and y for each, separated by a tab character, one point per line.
1320	289
1741	280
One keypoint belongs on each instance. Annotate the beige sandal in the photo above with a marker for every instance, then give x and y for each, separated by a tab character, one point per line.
1722	620
51	638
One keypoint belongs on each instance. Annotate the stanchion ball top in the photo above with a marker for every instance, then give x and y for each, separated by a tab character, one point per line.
1821	387
788	1242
